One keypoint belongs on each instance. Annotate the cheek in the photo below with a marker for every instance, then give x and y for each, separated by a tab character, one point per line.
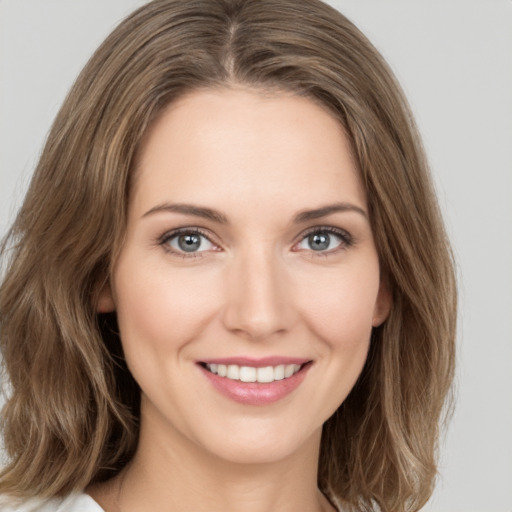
338	311
340	308
159	310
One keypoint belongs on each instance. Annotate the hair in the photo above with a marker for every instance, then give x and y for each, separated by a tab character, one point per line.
72	413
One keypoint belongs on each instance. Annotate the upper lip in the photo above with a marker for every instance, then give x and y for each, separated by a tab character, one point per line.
256	362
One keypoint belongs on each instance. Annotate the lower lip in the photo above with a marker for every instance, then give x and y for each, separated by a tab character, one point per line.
256	393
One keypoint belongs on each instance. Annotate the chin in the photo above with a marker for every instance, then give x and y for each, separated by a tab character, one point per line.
263	449
263	440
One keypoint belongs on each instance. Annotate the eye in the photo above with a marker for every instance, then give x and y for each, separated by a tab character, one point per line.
187	242
328	239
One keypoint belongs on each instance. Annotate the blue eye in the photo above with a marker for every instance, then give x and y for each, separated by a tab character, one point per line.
189	241
324	240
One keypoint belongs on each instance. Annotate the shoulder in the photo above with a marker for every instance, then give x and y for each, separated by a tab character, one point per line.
72	503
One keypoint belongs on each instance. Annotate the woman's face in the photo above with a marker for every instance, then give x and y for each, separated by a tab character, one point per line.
249	253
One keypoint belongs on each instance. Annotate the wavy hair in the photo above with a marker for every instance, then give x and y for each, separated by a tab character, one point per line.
72	411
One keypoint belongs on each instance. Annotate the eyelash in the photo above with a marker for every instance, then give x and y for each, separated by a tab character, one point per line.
346	240
167	237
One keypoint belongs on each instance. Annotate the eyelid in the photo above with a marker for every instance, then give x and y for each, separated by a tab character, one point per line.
346	238
168	235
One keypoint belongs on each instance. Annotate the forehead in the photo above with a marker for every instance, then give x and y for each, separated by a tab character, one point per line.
216	145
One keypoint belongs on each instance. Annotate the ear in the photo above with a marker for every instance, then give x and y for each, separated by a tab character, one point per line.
382	304
106	302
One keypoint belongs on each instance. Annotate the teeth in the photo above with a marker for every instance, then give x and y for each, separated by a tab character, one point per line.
233	372
251	374
248	374
279	372
289	370
265	374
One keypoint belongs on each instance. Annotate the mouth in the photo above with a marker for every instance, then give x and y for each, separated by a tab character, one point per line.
261	374
256	382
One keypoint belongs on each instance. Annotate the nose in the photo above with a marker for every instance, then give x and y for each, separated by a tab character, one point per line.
258	297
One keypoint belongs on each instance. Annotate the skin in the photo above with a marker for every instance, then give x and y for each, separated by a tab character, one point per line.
257	288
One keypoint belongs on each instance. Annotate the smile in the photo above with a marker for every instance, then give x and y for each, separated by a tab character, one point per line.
264	374
256	382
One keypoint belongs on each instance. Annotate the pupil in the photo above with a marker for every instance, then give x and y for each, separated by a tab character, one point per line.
189	243
319	241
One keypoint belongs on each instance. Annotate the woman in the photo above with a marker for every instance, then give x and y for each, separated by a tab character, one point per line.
229	285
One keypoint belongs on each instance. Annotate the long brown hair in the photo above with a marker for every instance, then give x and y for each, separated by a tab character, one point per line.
72	412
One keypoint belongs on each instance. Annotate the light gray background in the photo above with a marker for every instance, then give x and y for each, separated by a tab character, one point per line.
454	59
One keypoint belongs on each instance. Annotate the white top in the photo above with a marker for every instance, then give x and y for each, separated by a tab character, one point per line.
72	503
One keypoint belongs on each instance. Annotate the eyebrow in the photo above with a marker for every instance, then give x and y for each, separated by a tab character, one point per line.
190	209
220	218
317	213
